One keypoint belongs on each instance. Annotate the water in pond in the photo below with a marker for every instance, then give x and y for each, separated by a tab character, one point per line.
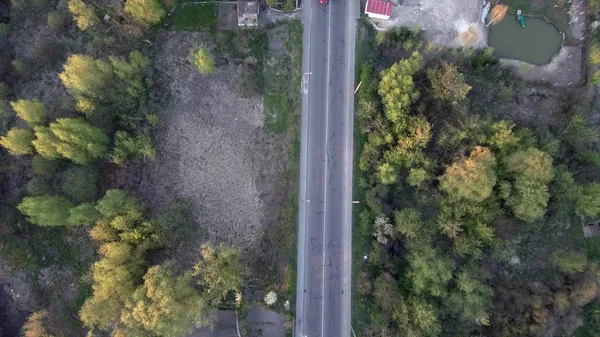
535	44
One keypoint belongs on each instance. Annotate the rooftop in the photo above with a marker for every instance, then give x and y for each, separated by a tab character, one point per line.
379	7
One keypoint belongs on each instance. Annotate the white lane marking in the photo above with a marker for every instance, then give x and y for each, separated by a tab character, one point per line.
327	75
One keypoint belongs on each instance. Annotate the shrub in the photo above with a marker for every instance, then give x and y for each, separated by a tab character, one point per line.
3	29
4	90
22	67
38	186
56	22
44	167
203	60
132	146
45	52
81	183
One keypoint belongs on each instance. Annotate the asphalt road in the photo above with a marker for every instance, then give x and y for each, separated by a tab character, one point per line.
325	210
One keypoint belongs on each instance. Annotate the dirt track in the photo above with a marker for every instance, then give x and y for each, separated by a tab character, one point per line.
211	148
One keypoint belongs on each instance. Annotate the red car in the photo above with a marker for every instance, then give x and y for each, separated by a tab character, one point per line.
323	2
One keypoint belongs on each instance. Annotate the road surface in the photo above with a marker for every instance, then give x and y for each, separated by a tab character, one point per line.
325	210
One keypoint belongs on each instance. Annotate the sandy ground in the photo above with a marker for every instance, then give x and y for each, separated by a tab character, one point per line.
563	71
442	21
211	148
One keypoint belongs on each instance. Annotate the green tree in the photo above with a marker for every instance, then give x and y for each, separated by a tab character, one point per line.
18	141
448	84
168	305
220	270
416	318
45	143
471	298
145	12
397	88
588	202
117	202
115	277
569	262
79	141
113	85
203	61
416	177
83	14
49	210
84	214
81	183
429	271
408	223
472	178
33	112
36	325
529	195
502	137
132	146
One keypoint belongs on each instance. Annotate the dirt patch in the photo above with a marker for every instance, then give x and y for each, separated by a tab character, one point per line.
227	16
212	149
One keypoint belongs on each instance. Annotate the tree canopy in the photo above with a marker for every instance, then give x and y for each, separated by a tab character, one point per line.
33	112
448	84
145	12
472	178
18	141
46	210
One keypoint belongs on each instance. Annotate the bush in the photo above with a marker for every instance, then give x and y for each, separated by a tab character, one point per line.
3	29
44	167
22	67
57	22
4	90
45	52
132	146
203	60
38	186
249	84
81	183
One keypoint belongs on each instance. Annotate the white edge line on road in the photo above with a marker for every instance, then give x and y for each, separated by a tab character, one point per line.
349	163
326	178
301	284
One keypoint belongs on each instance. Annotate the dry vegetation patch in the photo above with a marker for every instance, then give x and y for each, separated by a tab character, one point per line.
212	149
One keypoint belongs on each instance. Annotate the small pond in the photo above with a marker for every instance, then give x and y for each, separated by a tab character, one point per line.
535	44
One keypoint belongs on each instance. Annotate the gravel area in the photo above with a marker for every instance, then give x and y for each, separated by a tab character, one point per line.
442	21
211	148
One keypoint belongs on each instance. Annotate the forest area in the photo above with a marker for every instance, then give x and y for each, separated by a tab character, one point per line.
477	187
95	240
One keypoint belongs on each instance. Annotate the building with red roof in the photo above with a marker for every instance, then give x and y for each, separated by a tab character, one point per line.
378	9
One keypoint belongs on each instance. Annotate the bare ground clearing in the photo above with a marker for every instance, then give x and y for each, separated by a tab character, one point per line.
212	149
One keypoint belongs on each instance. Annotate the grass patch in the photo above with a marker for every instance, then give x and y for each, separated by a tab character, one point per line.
281	82
361	238
592	246
195	17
